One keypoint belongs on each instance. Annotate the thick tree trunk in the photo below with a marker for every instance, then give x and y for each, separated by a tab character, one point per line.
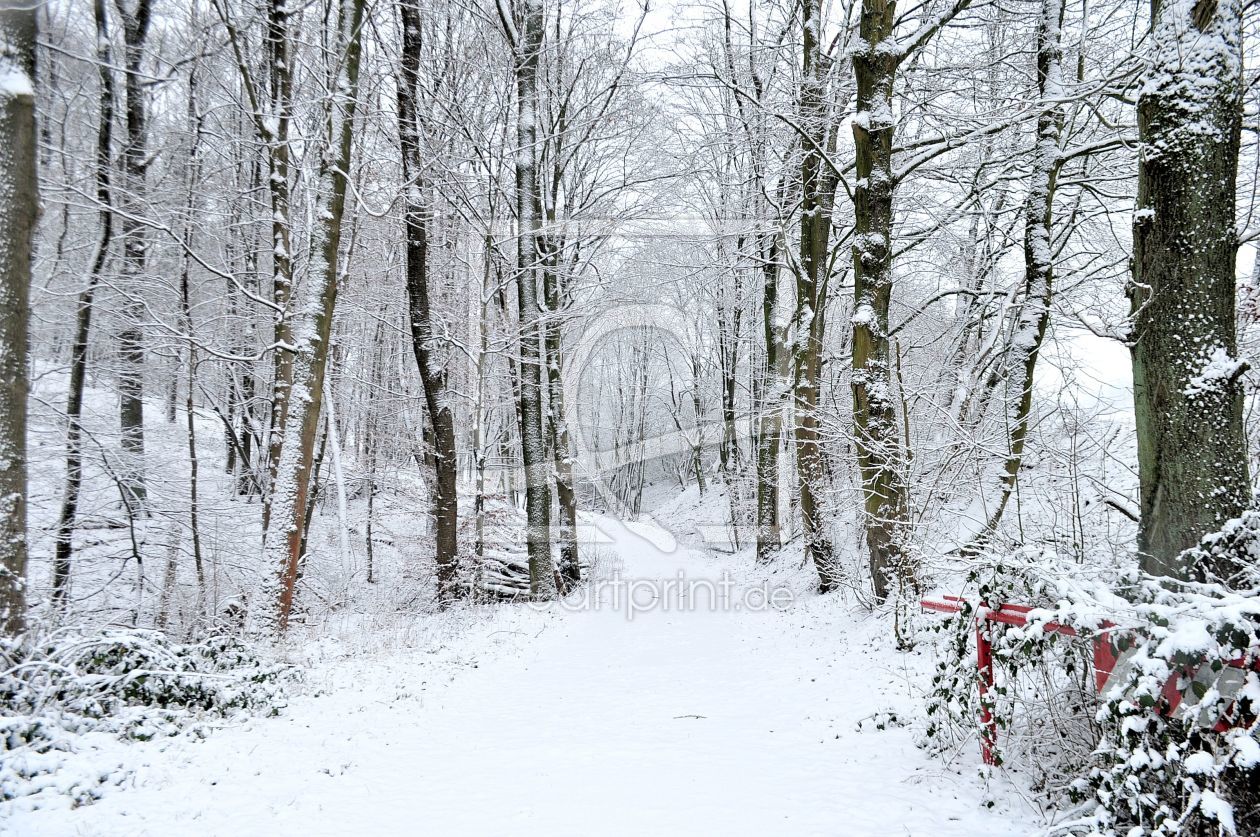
817	191
424	336
312	330
19	197
876	435
528	30
135	252
1192	452
63	549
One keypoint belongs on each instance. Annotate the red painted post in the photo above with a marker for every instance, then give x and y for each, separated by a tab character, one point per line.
984	664
1104	661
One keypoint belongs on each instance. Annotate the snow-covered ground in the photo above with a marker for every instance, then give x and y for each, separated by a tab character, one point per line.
644	705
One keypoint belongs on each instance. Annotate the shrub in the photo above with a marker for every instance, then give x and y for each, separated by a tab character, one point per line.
132	684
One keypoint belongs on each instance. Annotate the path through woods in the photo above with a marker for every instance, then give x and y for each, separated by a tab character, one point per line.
579	720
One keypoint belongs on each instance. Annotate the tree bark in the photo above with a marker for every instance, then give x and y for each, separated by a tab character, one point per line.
774	394
817	194
729	315
63	550
135	26
312	328
1192	452
526	32
876	435
274	128
558	424
19	189
424	335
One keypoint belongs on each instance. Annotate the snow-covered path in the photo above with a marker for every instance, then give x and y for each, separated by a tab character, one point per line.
595	719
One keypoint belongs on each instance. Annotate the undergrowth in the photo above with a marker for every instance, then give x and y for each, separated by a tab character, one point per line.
64	689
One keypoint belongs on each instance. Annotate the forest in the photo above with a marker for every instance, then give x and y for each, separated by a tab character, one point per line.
466	416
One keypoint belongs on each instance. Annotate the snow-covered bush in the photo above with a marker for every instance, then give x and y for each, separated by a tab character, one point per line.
1170	746
1193	768
1042	703
130	684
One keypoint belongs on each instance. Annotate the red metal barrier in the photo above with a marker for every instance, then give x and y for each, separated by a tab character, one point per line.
1017	615
1105	661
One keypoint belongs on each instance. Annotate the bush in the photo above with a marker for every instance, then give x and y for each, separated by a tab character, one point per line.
1137	765
1043	702
1163	771
130	684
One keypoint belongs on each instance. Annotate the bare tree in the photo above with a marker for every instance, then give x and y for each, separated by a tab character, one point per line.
819	179
135	26
103	167
524	25
1034	315
312	328
425	337
877	433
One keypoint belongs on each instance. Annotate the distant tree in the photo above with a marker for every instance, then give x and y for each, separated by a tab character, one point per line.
136	160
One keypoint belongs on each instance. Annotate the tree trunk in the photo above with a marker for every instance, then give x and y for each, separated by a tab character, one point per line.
1034	315
185	303
876	435
558	425
312	497
424	336
528	44
312	328
274	130
371	513
19	189
774	394
479	442
697	410
1192	452
64	547
817	191
728	322
135	251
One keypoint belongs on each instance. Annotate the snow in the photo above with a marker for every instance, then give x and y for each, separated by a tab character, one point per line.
572	718
14	81
1218	809
1200	762
1217	370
